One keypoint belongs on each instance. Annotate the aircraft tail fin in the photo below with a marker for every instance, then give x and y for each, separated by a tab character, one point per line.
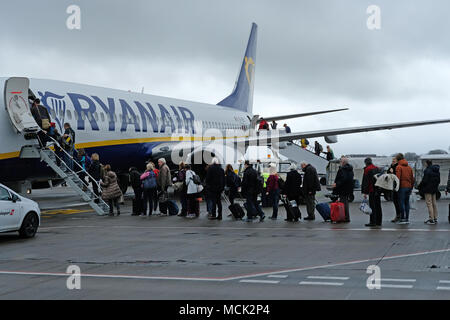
242	96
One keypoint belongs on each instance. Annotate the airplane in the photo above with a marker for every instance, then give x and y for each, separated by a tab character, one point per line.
127	129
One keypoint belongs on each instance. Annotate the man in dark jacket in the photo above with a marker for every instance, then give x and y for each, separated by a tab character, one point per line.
343	185
311	185
250	190
136	184
292	186
95	171
215	184
429	187
368	188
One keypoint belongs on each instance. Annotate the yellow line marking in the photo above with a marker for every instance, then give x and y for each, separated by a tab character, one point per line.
63	211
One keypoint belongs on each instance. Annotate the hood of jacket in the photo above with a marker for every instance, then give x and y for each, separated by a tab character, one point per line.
403	163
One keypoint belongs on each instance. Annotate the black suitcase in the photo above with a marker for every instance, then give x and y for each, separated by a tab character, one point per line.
292	212
237	211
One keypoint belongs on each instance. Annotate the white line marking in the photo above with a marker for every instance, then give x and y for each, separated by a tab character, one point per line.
399	280
396	286
277	276
328	278
321	283
258	228
443	288
260	281
221	279
444	281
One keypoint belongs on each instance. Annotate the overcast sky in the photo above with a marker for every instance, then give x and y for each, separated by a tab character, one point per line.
312	55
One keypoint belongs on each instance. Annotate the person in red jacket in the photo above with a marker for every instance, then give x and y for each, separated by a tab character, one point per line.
263	124
368	189
406	176
273	191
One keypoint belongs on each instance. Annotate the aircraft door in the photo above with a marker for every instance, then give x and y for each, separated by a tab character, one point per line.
16	103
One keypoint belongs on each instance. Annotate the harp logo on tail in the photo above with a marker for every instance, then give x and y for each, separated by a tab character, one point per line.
249	62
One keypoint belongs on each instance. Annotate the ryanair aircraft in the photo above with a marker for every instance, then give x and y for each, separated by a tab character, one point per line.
127	129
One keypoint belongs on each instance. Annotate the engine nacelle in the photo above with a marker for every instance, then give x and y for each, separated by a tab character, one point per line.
331	139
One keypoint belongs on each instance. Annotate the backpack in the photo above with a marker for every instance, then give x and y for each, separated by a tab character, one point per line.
236	181
150	181
196	179
307	142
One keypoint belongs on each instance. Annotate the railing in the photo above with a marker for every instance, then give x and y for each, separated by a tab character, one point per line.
55	142
308	148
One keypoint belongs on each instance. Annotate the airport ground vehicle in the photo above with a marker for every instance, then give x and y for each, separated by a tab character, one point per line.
18	213
358	165
443	161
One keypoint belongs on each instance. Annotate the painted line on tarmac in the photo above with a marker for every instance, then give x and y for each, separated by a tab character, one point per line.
277	276
310	283
443	288
221	279
396	286
260	281
252	229
328	278
399	280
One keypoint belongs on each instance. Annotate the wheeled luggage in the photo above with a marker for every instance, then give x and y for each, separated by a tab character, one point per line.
172	207
324	210
337	212
292	209
235	209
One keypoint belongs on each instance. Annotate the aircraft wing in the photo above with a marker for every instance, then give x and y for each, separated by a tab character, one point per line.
333	132
301	115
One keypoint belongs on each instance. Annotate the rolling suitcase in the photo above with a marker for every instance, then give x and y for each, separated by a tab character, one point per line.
235	209
172	208
292	210
324	210
337	212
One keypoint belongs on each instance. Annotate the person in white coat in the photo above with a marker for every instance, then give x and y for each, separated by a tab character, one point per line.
193	193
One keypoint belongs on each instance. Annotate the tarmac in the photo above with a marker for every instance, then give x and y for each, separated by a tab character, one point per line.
129	257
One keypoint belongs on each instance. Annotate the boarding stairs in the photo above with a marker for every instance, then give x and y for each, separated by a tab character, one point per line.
70	177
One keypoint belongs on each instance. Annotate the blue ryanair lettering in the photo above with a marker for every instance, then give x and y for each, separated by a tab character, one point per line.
87	112
128	117
180	123
166	118
109	109
188	119
145	115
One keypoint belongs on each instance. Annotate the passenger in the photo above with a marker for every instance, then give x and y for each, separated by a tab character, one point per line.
181	182
311	185
273	191
84	162
318	149
155	200
392	170
329	153
215	184
429	186
164	181
232	182
368	189
136	184
292	186
95	172
288	130
343	185
448	184
250	189
406	177
263	124
42	118
68	139
274	125
265	202
150	189
111	190
193	194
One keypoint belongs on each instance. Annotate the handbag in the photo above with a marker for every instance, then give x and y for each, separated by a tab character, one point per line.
364	207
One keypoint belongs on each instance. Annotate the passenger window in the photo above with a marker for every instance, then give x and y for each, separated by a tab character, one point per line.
102	116
83	116
69	115
76	115
96	116
4	195
115	117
